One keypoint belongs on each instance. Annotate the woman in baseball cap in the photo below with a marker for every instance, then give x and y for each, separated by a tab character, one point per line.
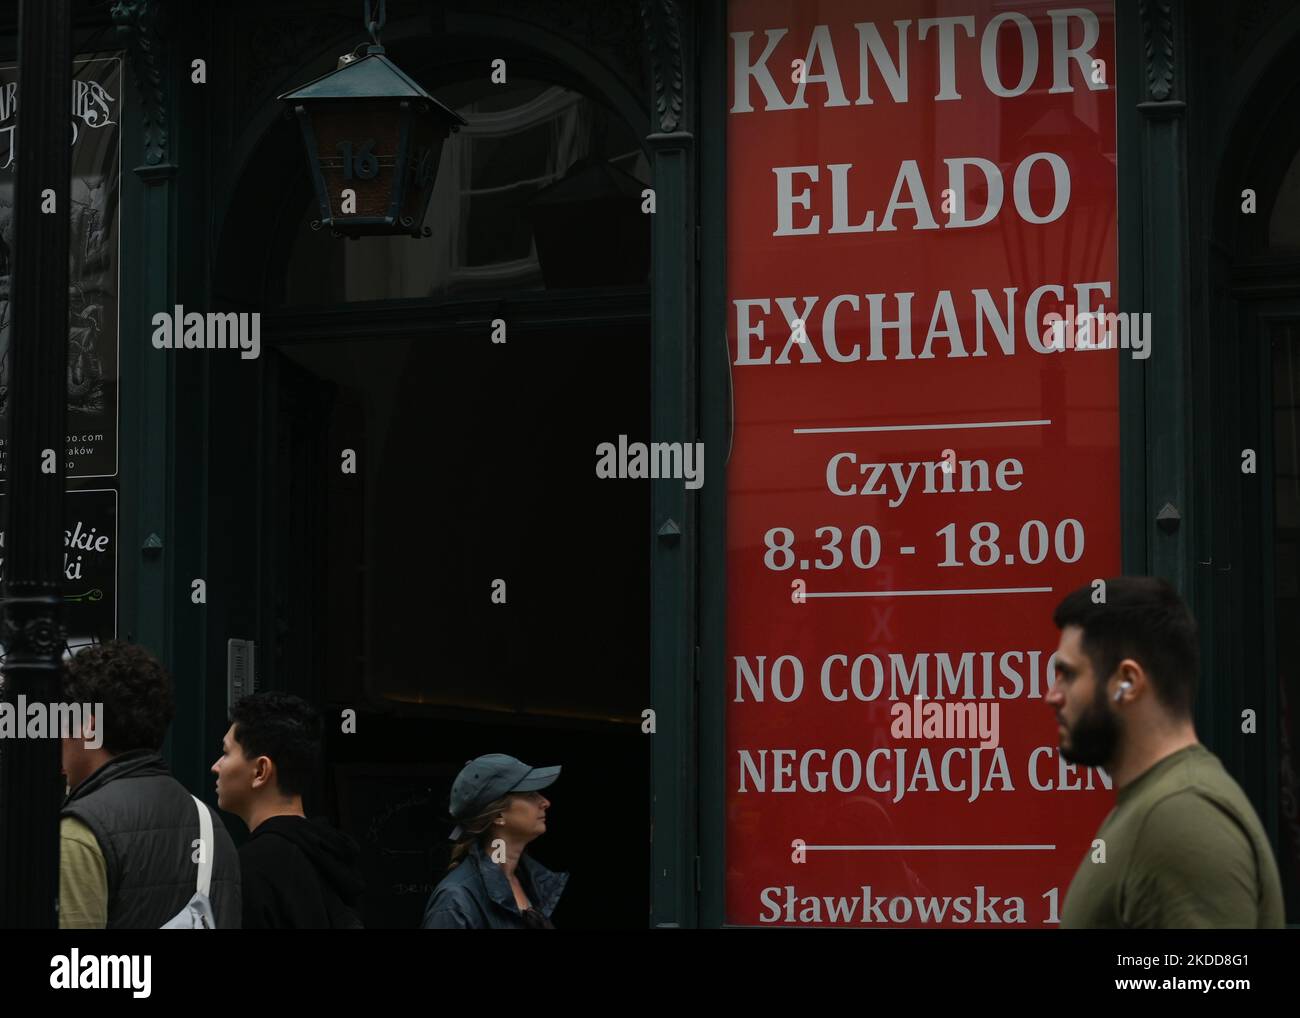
492	883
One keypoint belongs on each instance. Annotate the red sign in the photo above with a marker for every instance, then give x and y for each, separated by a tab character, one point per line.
922	259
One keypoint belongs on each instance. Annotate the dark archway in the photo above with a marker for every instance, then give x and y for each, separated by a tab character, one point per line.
372	591
1250	379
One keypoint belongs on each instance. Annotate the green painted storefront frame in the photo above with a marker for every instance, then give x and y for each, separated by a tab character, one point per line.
716	433
166	406
1152	403
151	257
698	813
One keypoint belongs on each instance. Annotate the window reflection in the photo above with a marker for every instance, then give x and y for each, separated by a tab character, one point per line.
521	139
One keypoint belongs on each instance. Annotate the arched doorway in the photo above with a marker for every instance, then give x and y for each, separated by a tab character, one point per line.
1250	426
380	591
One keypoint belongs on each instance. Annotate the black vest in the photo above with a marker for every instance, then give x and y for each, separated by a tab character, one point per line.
147	827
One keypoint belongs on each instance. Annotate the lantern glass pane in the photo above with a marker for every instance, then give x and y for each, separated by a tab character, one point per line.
357	147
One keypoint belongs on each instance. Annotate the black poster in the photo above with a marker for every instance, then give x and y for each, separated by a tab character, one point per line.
93	262
89	566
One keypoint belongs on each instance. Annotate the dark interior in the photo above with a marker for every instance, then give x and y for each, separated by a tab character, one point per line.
475	463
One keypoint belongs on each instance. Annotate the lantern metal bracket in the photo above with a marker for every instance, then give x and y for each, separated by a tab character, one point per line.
375	25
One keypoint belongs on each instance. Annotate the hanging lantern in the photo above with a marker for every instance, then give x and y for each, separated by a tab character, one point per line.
373	138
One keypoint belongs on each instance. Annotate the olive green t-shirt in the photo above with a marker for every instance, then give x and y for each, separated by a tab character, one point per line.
1184	849
83	878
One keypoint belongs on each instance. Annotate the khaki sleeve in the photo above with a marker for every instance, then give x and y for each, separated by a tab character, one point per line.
83	878
1192	868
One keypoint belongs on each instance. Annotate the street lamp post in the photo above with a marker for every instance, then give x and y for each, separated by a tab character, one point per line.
30	783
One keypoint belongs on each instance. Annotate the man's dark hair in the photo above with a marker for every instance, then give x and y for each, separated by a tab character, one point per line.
1141	617
284	727
133	687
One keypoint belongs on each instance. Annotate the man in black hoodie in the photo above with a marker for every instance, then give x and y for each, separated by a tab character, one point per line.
297	873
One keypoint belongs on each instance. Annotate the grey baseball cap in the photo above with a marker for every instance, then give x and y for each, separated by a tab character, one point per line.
487	778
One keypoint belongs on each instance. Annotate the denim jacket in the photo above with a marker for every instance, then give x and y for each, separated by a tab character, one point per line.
476	895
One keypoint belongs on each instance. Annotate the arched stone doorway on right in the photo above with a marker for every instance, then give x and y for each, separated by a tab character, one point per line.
467	584
1248	429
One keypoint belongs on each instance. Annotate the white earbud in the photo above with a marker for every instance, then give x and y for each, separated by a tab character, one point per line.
1119	694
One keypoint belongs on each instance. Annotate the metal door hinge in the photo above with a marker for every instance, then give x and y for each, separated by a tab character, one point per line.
241	656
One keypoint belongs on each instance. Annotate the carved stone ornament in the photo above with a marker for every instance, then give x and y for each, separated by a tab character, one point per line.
664	47
1158	44
140	27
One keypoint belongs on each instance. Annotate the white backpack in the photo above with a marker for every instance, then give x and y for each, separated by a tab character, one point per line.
197	913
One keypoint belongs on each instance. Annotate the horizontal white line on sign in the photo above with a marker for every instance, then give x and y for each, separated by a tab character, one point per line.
929	848
924	427
930	593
